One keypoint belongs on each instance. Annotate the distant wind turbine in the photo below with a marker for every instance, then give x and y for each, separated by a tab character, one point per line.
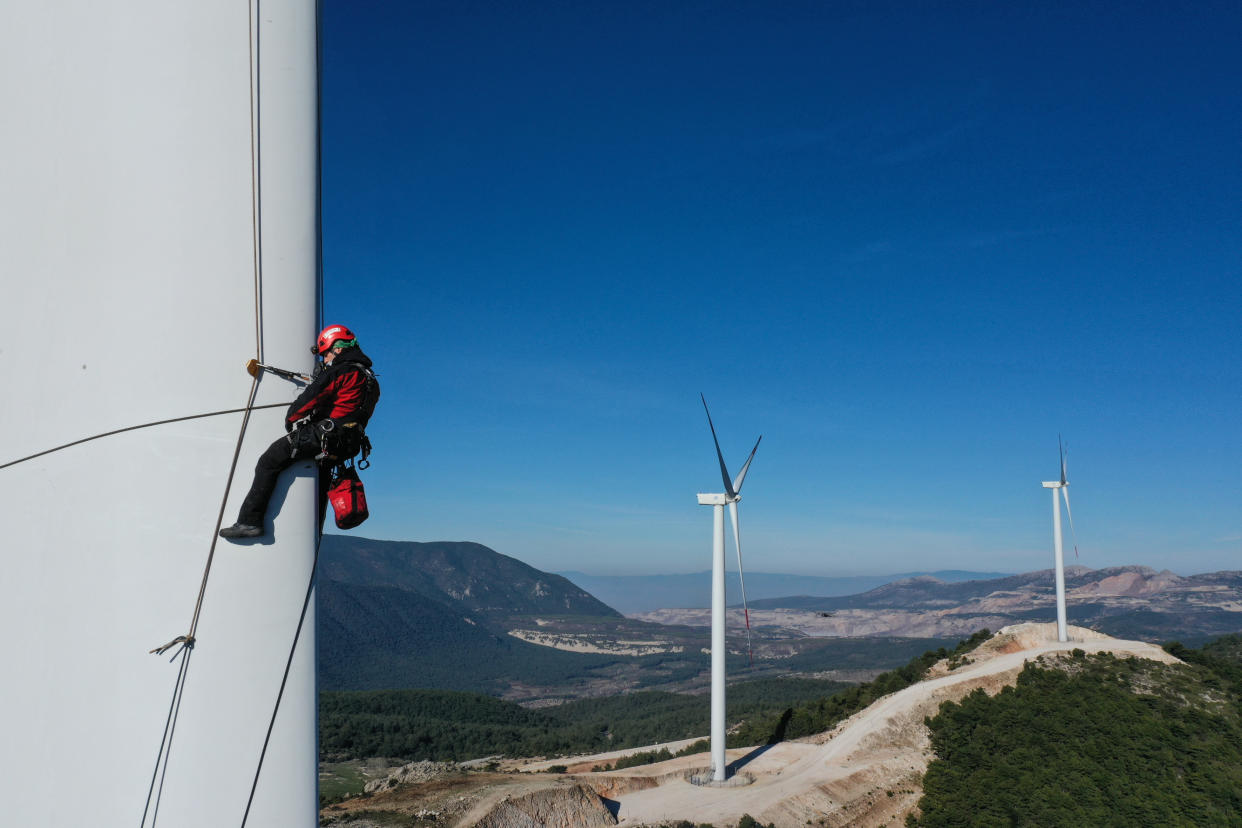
1063	485
731	495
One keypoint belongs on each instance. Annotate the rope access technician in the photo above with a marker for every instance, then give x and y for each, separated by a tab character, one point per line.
325	423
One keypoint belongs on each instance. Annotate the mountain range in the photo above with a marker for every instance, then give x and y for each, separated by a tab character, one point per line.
456	573
395	614
632	594
461	616
1128	602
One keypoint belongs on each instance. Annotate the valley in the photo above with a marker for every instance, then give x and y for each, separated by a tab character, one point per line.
883	765
398	615
562	686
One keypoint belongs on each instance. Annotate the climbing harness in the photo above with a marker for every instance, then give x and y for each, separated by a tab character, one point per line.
296	435
340	439
342	444
324	430
334	444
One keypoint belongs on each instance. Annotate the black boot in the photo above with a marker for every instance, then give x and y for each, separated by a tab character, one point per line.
241	530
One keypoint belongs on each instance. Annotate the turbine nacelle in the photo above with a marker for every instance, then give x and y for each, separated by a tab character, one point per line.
717	499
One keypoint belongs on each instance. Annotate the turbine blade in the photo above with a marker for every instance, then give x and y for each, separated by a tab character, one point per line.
1065	494
737	541
1061	448
724	472
737	484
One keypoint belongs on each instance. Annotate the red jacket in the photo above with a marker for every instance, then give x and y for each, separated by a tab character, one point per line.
345	391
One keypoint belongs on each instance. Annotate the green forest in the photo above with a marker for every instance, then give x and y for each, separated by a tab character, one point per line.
1095	740
1105	741
449	725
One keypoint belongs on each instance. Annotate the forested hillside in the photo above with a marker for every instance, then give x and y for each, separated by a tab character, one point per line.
384	637
430	724
480	579
436	724
1103	742
396	614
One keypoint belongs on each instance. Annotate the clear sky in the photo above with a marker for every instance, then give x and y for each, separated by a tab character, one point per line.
908	243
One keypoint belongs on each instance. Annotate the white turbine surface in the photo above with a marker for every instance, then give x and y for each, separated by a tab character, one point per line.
154	151
1061	485
729	497
719	653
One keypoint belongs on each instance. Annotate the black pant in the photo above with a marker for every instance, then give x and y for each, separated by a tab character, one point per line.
280	455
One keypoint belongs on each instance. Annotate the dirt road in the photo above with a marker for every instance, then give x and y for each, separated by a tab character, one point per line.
868	770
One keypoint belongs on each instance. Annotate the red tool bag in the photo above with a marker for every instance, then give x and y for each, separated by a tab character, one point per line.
349	501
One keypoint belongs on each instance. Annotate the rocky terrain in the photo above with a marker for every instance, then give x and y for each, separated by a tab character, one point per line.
457	797
867	771
1132	601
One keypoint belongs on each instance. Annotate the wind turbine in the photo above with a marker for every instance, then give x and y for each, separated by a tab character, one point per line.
730	497
1063	485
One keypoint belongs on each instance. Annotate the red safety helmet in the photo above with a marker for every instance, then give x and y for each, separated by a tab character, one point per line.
329	336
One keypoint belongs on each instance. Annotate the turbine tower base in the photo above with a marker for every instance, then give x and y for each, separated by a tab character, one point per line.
704	778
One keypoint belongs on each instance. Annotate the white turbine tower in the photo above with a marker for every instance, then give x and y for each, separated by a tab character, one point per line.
730	497
1063	485
167	194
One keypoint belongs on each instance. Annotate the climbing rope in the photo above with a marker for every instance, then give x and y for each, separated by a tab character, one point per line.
140	426
256	177
310	589
187	641
253	13
310	586
170	723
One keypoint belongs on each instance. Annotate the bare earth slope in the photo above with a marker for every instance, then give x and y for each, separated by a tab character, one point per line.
867	771
845	776
1127	602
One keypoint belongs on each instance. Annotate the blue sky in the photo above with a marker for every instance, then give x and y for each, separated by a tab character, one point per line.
907	243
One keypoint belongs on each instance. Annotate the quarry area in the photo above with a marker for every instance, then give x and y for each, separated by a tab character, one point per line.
866	771
923	607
